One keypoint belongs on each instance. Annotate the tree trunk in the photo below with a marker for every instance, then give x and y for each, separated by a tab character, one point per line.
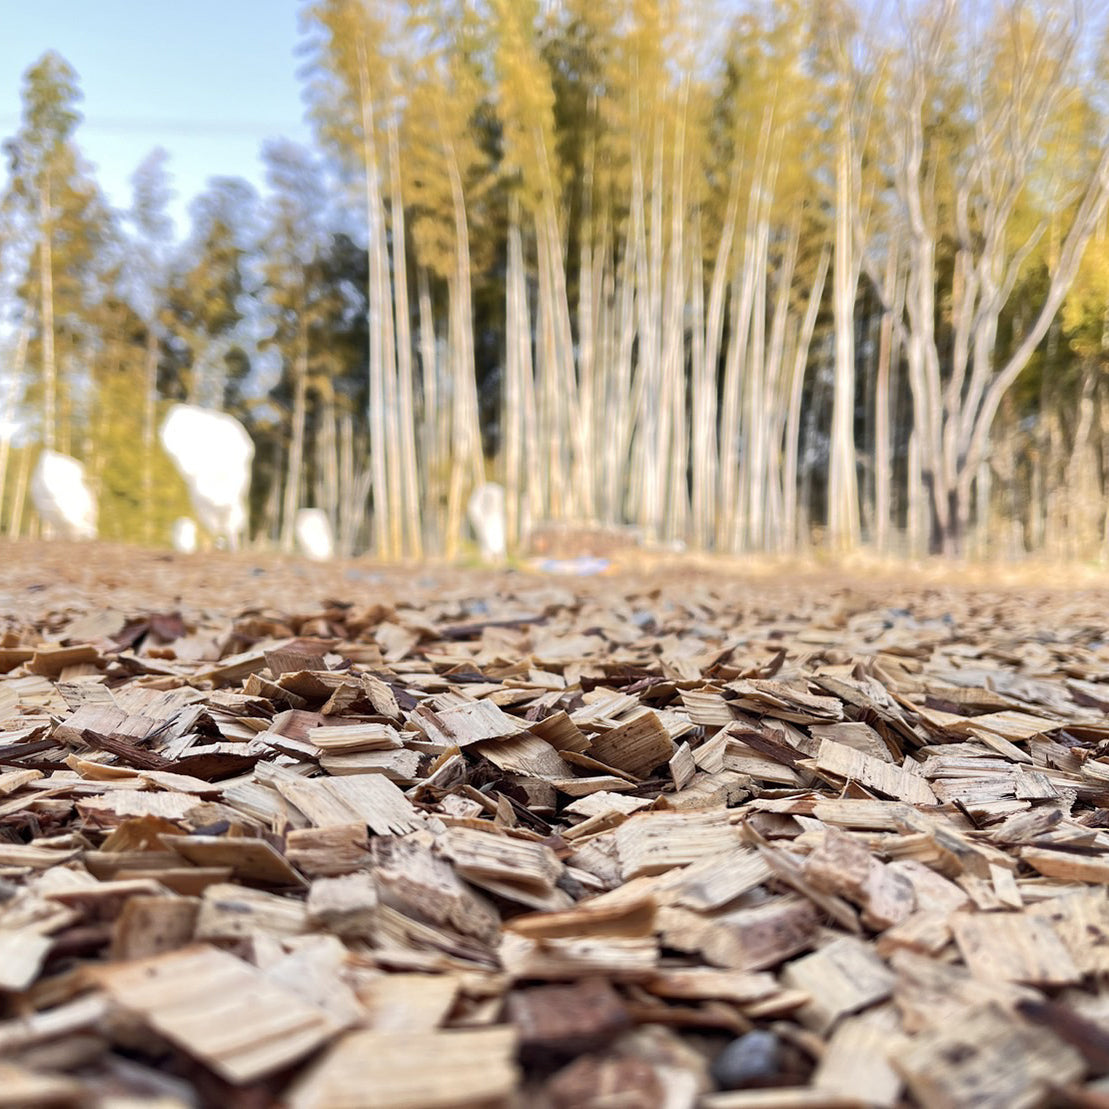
467	462
433	413
149	417
14	381
410	485
796	392
295	460
49	367
15	524
377	308
843	493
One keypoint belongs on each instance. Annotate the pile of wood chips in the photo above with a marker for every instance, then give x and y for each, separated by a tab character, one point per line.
322	837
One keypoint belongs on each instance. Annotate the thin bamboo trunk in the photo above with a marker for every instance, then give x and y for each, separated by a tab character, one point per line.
796	392
893	299
843	495
432	437
46	274
149	416
393	461
15	523
376	308
295	458
15	380
513	386
410	491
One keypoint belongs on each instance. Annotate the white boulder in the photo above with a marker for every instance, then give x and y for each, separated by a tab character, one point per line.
314	536
62	496
213	453
486	514
184	535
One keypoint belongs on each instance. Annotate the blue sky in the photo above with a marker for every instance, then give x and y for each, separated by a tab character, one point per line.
209	80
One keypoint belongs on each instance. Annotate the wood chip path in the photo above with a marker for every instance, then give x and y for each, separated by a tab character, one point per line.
276	834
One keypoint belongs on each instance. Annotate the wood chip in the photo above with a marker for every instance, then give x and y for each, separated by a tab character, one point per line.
390	1070
255	1028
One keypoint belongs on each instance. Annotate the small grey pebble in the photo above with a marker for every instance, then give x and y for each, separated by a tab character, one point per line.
752	1059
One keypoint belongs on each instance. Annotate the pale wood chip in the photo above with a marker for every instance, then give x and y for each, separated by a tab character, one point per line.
891	781
411	1070
221	1010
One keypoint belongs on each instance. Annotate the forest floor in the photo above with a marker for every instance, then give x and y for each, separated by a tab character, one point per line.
687	832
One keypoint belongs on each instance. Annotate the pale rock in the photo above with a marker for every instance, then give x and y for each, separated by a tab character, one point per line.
486	514
314	536
62	496
213	453
184	535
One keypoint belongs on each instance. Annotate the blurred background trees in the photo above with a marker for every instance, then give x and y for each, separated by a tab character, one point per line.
744	276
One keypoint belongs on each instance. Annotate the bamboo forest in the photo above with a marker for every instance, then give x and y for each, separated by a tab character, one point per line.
812	275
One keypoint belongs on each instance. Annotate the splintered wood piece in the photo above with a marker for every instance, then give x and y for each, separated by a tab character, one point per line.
51	661
338	849
401	766
422	885
21	1087
470	722
652	843
858	735
233	668
346	905
708	983
636	747
717	879
616	957
365	798
35	1028
785	700
15	780
790	1097
986	1058
97	717
842	866
401	1002
842	977
1010	724
220	1010
487	855
745	939
452	1069
624	912
313	968
32	857
584	787
251	860
1013	947
230	912
121	805
294	656
348	738
682	767
858	1061
22	954
560	732
923	931
152	925
525	754
1066	865
890	781
1081	920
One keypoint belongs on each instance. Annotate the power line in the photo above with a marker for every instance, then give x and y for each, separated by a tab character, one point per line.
181	127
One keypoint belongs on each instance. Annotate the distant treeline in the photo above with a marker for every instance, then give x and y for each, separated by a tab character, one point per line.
747	276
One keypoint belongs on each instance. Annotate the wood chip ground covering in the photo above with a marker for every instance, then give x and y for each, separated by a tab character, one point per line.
277	834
